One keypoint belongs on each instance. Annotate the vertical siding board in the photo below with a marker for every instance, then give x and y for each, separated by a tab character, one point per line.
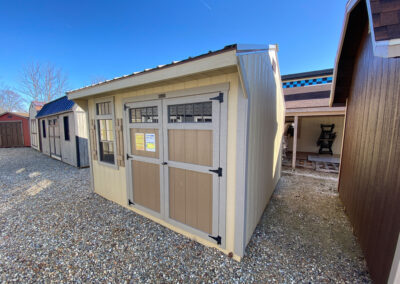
369	179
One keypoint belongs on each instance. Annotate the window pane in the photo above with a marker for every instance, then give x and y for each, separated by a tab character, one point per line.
107	152
194	112
106	130
144	115
103	108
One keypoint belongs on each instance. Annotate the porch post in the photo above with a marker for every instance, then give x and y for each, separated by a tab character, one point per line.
296	122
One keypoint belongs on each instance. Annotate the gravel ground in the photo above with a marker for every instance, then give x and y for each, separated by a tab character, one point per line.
53	228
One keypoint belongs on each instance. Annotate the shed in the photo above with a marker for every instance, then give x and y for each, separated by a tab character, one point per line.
63	132
367	79
194	145
14	130
307	110
34	125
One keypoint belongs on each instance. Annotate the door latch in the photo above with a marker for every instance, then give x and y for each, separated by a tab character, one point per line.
218	239
164	163
217	171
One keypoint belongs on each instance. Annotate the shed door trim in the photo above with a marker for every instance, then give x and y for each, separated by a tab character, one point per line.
222	140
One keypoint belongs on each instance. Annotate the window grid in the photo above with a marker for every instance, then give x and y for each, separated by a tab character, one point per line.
190	113
144	115
103	108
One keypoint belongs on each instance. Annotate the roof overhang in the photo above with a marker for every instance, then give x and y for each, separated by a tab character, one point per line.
191	67
387	48
316	111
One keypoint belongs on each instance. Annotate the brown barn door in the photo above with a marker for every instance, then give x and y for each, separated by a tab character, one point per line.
145	155
54	138
11	134
191	146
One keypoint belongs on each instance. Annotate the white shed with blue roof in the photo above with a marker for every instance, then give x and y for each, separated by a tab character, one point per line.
63	132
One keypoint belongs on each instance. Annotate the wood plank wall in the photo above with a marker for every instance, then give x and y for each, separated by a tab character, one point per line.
369	183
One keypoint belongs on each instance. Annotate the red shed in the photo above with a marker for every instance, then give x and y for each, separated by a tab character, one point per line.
14	130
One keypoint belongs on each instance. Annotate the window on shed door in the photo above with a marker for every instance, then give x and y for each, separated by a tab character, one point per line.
66	128
106	140
190	113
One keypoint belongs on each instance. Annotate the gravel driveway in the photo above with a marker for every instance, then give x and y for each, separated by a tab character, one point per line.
54	228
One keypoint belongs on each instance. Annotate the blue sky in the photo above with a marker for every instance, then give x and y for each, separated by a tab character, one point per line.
91	39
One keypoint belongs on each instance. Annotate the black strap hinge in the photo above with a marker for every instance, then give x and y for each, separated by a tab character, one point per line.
217	171
217	239
130	202
128	157
219	98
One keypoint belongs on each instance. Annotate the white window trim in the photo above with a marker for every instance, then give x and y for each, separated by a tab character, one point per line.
107	116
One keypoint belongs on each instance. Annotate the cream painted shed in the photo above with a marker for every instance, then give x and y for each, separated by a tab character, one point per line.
194	145
63	132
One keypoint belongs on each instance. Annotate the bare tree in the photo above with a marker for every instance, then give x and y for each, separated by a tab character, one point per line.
42	82
97	79
11	101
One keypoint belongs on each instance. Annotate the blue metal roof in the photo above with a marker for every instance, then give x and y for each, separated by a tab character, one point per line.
59	105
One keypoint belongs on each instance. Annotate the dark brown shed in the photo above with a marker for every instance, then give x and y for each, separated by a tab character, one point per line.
367	76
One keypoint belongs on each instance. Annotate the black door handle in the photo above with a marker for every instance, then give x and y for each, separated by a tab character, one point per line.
164	163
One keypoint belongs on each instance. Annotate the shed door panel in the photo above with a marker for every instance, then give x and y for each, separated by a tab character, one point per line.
54	137
191	137
146	185
144	128
11	134
190	146
190	198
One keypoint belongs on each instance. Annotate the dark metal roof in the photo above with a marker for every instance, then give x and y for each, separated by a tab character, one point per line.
173	63
386	19
324	72
59	105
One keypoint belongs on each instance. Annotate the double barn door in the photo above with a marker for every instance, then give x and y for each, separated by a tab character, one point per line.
54	138
11	134
174	161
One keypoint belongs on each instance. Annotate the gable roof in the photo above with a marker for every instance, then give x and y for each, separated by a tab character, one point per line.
224	58
360	13
59	105
38	105
20	114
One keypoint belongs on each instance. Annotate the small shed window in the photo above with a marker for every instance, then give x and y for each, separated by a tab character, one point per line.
193	112
103	108
105	132
44	128
106	140
66	128
144	115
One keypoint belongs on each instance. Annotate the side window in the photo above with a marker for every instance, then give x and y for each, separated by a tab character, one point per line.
66	128
44	128
105	132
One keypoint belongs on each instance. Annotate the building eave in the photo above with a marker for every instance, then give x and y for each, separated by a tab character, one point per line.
213	62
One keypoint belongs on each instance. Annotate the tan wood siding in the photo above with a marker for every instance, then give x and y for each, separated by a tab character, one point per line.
190	198
146	184
190	146
369	177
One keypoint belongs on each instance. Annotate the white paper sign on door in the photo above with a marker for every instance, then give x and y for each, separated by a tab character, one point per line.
150	142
